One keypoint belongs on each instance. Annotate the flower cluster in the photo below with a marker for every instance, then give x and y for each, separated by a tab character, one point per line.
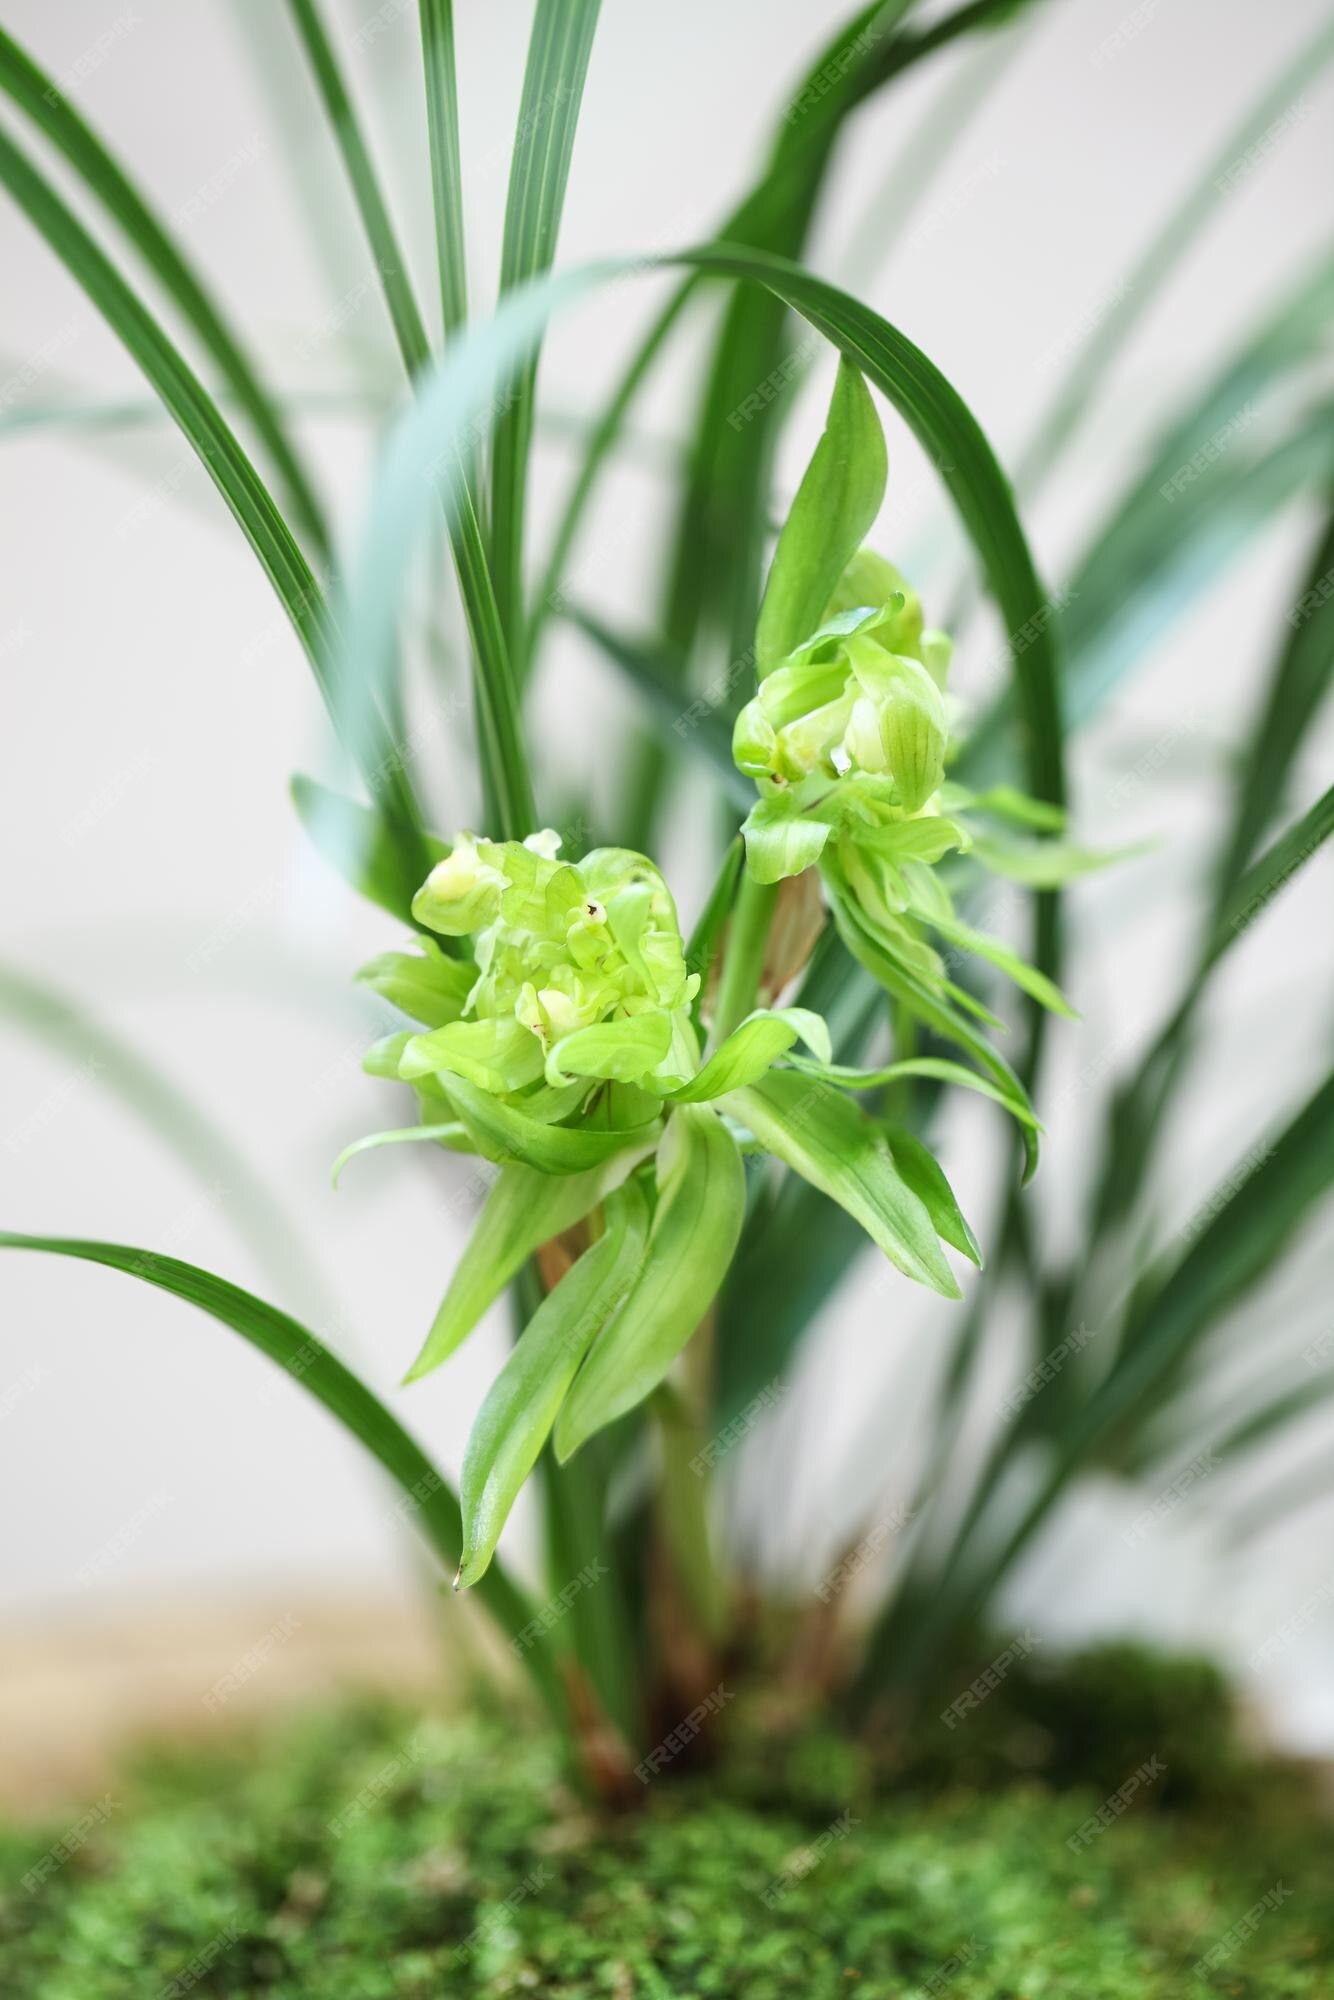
577	975
847	738
865	693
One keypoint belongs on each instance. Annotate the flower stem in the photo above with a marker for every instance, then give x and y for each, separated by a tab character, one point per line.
743	959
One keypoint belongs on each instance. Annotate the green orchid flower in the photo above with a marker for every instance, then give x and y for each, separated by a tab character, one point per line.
848	738
560	1046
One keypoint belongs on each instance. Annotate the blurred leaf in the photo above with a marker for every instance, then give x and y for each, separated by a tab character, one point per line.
553	89
1302	677
45	103
361	727
1273	871
207	1153
356	842
442	124
1047	864
698	724
1243	1233
1160	261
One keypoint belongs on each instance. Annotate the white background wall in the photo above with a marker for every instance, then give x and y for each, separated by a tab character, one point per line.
155	705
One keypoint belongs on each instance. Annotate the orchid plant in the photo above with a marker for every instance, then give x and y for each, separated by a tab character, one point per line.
685	1146
560	1025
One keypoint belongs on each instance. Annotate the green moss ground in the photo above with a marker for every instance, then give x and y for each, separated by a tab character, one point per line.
952	1875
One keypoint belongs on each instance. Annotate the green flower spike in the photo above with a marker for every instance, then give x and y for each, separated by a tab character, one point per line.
847	738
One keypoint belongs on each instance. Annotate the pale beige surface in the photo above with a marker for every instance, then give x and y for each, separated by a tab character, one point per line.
76	1696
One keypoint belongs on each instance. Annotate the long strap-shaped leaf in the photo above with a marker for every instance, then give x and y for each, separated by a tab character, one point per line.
37	94
784	182
553	89
442	125
173	1117
462	382
507	788
409	329
223	457
1247	1231
434	1510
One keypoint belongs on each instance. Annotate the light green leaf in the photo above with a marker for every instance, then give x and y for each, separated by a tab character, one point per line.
700	1208
752	1048
1047	864
46	103
523	1210
521	1406
504	1134
926	1177
934	1009
1027	977
780	840
1006	803
358	722
361	845
938	1068
452	1135
834	509
818	1132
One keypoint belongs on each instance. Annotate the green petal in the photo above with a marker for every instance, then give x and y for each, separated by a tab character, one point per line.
781	841
493	1055
623	1050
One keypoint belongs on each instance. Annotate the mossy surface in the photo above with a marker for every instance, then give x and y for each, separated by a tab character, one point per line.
372	1855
